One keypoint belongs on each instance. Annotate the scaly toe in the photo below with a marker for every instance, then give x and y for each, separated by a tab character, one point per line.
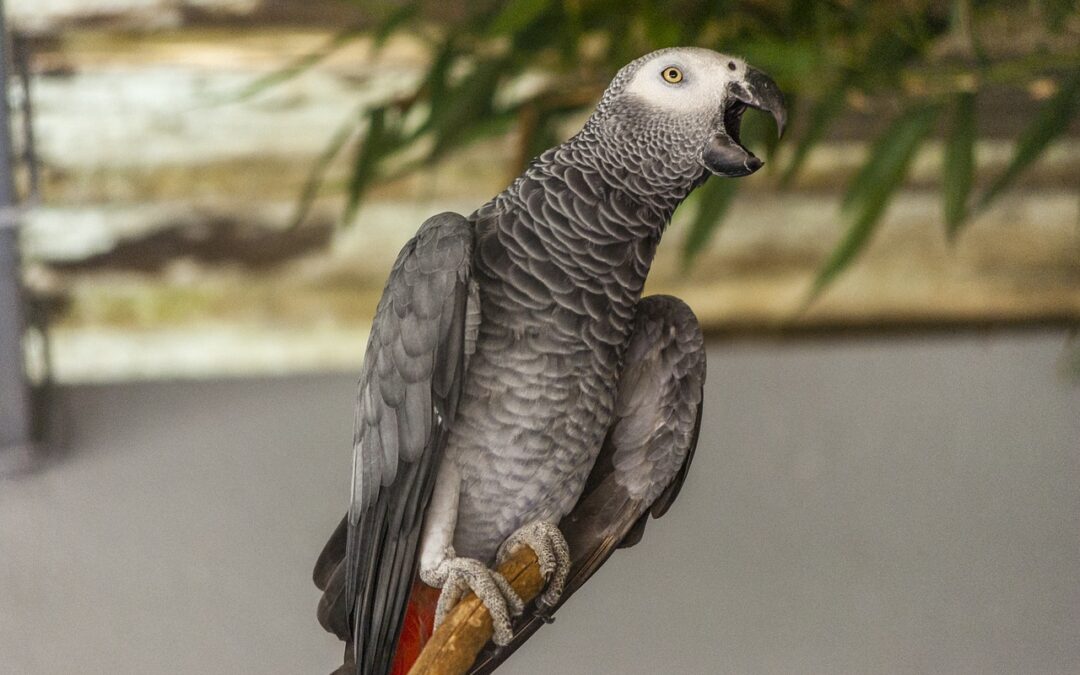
514	604
492	588
552	555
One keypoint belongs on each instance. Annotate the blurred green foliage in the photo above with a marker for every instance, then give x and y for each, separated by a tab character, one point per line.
917	64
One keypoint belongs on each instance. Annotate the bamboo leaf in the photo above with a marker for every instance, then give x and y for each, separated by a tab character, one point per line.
959	167
516	15
713	200
365	164
317	174
1051	121
1055	12
874	186
822	116
436	81
390	25
297	67
888	158
465	106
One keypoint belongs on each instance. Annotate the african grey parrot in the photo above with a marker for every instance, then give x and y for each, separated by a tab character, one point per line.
515	381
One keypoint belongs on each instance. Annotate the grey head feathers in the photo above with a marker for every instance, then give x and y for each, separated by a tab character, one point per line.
675	115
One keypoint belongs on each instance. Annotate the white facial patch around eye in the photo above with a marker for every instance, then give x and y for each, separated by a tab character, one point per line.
705	75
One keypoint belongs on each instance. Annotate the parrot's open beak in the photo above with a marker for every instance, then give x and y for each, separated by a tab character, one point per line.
724	153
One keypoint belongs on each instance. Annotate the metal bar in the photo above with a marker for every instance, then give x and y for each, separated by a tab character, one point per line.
21	60
15	406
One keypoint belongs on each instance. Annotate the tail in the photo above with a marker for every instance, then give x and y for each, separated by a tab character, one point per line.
419	625
419	614
416	631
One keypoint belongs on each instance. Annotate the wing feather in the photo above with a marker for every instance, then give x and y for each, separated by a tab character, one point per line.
406	399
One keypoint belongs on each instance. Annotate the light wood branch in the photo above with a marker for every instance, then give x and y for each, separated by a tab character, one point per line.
457	642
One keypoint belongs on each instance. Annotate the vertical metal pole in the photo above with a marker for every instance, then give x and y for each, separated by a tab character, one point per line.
15	408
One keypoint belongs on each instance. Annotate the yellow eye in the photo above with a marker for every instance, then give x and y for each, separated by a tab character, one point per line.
672	75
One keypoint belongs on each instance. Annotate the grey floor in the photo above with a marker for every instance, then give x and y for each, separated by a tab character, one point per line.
863	506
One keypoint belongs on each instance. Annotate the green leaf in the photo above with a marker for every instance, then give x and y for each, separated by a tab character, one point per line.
1055	13
297	67
437	79
661	27
516	15
317	174
713	200
465	106
874	186
1051	121
375	145
390	24
822	116
880	65
959	167
789	61
962	27
888	159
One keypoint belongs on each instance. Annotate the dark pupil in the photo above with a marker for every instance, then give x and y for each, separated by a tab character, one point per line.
731	65
672	74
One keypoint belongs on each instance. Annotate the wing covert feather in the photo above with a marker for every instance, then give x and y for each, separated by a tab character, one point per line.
406	400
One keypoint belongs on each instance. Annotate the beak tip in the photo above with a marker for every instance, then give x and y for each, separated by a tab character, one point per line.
780	115
768	97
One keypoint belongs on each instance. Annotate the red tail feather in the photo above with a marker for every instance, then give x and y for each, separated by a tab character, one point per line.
418	626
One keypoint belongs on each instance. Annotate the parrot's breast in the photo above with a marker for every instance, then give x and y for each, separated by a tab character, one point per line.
559	278
525	439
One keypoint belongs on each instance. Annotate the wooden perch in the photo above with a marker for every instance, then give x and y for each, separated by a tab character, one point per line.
454	646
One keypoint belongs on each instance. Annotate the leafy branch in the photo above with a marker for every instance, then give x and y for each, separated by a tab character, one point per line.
922	64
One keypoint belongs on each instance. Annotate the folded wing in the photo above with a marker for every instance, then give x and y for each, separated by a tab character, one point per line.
406	401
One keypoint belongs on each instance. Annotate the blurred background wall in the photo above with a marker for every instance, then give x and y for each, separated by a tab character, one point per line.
887	474
173	141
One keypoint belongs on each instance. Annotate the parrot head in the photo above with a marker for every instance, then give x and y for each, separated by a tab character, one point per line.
682	107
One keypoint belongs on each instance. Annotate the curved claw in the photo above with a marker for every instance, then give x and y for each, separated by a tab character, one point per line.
461	574
544	613
552	555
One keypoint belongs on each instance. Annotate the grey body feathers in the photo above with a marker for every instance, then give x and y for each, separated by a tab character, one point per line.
515	344
561	259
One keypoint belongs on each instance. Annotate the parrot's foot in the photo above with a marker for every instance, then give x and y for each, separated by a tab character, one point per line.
552	554
457	575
